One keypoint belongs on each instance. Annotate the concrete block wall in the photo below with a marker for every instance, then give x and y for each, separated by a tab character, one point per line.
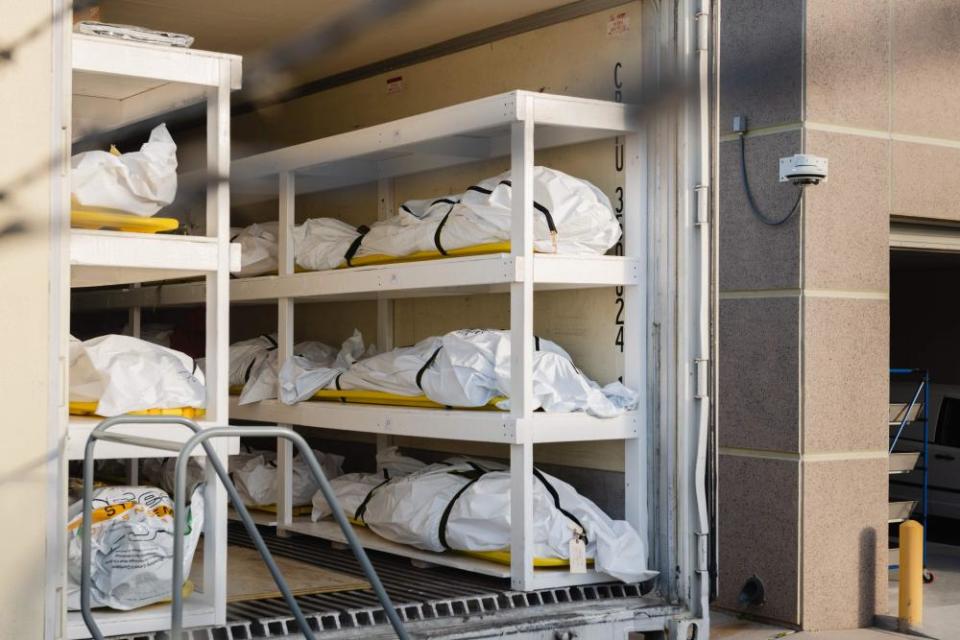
804	313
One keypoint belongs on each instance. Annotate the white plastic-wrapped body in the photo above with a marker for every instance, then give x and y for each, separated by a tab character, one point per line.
571	217
464	505
140	182
321	243
258	248
254	473
305	372
134	375
471	368
132	545
253	365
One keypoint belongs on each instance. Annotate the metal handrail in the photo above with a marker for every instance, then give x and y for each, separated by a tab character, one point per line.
201	437
906	414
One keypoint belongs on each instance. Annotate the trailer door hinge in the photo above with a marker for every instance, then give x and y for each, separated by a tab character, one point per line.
703	30
701	369
702	193
703	556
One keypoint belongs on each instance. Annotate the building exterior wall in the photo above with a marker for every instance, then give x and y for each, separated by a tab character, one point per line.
25	117
804	307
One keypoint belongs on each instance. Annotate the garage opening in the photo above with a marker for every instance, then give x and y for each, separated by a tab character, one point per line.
925	340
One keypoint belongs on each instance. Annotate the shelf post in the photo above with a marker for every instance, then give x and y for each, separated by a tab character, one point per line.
386	207
217	334
135	322
285	341
521	348
635	220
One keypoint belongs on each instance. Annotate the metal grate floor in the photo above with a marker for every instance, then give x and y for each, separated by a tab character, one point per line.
418	594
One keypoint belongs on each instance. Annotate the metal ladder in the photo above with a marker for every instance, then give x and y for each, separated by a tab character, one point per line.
202	437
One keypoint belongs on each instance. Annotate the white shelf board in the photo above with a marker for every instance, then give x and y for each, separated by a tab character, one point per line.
543	578
196	613
167	294
79	428
451	276
461	133
116	82
474	426
113	257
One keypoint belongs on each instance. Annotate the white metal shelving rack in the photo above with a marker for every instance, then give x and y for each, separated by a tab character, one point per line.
117	83
512	124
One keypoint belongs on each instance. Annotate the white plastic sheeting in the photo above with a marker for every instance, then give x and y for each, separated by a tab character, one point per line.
475	496
576	210
321	243
466	368
258	248
124	374
132	563
254	364
254	473
140	182
303	374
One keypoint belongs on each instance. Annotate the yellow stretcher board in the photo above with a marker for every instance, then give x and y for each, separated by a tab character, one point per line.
500	557
360	396
90	409
118	221
302	510
474	250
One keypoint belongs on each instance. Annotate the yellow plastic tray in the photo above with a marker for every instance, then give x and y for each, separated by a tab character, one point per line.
120	222
90	409
502	556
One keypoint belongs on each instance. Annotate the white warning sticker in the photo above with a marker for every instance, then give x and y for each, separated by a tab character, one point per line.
618	24
395	84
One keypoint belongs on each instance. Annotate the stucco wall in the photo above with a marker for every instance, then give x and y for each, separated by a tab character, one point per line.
25	99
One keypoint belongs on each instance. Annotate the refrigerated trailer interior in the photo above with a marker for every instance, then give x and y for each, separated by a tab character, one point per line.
423	100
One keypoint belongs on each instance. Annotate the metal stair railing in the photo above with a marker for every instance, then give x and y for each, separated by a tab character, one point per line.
202	437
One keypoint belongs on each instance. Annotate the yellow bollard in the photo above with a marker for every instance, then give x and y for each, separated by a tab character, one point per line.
911	575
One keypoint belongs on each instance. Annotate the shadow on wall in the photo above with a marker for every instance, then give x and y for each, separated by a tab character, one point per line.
867	592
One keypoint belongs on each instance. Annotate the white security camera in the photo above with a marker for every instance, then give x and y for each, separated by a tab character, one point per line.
803	169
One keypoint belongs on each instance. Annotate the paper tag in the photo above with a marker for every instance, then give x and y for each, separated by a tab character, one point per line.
578	555
618	24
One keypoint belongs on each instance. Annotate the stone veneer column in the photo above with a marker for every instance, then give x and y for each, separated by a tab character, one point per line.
804	318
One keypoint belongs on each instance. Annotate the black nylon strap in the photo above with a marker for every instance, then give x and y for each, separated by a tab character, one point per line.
446	511
336	383
556	500
426	365
436	234
539	207
269	338
362	508
355	245
246	374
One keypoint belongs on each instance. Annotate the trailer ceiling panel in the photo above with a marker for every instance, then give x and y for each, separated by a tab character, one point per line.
249	26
